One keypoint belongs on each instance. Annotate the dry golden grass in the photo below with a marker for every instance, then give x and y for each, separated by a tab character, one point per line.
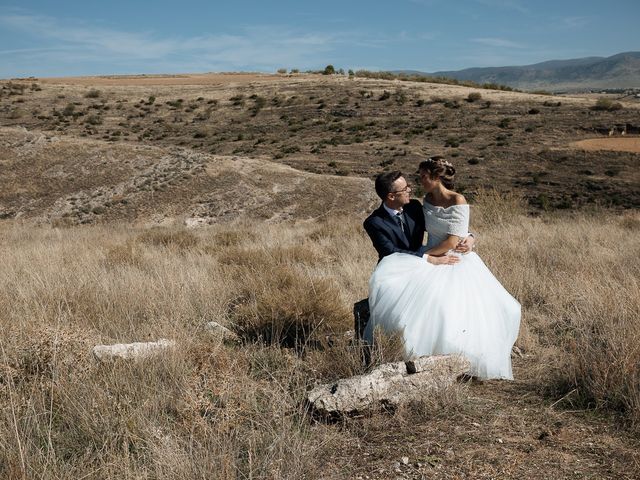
216	410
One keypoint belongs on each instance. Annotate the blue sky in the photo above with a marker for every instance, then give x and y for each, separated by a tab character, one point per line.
46	38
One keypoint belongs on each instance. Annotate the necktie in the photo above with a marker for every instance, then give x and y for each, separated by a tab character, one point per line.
401	222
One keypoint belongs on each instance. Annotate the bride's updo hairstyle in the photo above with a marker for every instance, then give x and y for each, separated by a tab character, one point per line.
438	167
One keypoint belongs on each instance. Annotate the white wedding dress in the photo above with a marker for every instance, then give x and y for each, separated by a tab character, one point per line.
444	309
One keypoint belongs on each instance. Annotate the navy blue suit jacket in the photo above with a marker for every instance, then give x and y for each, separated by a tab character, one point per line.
387	236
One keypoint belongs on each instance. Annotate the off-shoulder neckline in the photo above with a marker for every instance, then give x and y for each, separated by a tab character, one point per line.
443	208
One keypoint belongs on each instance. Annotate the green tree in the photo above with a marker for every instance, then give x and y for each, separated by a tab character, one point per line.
329	70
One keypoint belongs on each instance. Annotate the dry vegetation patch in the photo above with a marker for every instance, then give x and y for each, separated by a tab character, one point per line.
221	410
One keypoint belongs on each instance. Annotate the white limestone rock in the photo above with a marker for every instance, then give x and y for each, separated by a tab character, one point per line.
390	384
131	351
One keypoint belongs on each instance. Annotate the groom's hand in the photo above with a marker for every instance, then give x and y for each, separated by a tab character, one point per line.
466	244
444	260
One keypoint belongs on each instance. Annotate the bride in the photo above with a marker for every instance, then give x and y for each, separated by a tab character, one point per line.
445	309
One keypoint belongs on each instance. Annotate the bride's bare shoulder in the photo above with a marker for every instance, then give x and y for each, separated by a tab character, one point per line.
459	199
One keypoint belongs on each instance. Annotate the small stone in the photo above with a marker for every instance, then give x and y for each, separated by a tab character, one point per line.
405	460
221	331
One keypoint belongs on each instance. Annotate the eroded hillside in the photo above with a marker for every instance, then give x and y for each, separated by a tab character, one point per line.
149	133
71	180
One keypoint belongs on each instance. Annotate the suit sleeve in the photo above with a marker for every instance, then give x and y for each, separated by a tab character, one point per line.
383	243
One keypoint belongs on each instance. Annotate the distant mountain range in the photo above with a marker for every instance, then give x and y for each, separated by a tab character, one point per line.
618	71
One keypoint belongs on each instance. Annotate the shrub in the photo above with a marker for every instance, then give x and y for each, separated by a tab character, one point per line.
400	97
69	110
290	149
452	142
15	113
473	97
279	309
542	92
258	104
164	237
281	71
607	104
93	93
386	163
237	100
175	103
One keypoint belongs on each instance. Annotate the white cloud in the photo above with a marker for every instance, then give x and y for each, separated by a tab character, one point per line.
262	48
497	42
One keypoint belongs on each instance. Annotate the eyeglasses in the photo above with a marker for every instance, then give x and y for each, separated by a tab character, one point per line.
405	189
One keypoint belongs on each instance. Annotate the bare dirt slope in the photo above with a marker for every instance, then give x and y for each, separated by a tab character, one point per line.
621	144
78	180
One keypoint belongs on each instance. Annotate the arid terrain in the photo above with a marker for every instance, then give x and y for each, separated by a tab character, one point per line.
139	208
167	129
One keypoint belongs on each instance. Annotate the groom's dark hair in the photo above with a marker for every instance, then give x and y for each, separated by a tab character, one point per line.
384	182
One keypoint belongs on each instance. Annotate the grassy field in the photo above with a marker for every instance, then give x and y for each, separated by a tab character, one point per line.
211	409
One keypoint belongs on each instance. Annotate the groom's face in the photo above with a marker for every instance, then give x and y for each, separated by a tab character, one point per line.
400	193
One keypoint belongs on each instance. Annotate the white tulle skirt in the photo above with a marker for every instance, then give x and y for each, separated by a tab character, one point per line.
444	309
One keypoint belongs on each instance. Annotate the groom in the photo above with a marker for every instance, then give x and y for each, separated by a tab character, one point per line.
398	224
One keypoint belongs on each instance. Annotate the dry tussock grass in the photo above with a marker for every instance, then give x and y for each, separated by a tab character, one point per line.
214	410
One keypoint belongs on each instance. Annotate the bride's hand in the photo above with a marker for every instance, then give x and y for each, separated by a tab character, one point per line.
465	245
444	260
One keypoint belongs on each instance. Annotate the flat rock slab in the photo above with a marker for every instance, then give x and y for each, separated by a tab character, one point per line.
130	351
390	384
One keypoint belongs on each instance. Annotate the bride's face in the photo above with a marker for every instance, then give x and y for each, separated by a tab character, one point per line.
428	182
